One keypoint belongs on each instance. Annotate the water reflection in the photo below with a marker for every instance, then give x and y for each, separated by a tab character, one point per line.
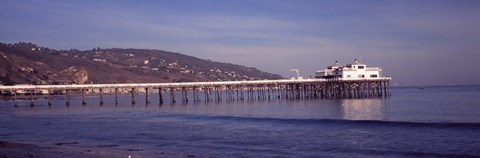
362	109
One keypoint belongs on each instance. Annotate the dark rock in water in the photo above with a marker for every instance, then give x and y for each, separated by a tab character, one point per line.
107	146
67	143
5	144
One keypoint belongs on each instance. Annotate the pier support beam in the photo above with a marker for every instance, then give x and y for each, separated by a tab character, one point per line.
385	85
67	94
172	94
209	93
15	98
49	98
84	102
147	99
218	93
116	96
389	91
241	93
31	97
101	96
195	92
184	95
133	96
160	96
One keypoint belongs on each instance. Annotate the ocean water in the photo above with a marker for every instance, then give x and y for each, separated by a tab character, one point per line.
413	122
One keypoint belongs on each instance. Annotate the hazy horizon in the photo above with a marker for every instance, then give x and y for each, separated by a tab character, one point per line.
431	42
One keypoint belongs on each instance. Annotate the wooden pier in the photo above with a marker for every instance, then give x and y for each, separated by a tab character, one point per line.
222	90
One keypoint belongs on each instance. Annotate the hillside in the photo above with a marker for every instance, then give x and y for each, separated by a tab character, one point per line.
26	63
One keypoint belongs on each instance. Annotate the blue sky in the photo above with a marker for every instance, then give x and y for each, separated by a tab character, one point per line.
428	42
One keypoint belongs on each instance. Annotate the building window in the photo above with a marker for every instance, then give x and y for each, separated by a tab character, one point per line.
361	76
374	76
361	67
348	76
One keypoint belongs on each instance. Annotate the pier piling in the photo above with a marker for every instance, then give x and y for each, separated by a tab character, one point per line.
84	102
172	95
15	98
101	96
147	100
133	96
49	97
31	97
116	96
67	94
160	96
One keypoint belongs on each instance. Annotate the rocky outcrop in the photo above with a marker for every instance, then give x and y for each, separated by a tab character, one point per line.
80	77
77	75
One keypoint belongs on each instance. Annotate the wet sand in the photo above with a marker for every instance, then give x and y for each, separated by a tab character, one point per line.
23	150
20	150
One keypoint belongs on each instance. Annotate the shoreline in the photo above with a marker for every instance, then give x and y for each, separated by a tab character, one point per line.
12	149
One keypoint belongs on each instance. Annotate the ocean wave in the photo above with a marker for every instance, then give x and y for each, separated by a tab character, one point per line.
299	121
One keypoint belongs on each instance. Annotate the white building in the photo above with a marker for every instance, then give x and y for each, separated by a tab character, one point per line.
355	70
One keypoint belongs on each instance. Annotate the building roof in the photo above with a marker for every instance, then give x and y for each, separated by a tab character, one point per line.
336	64
356	62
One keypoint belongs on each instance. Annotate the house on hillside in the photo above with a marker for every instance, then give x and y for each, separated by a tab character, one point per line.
355	70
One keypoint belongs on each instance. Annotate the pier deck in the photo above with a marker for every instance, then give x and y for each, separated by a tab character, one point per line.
234	90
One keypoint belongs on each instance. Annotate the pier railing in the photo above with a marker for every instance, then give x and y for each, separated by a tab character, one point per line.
180	84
